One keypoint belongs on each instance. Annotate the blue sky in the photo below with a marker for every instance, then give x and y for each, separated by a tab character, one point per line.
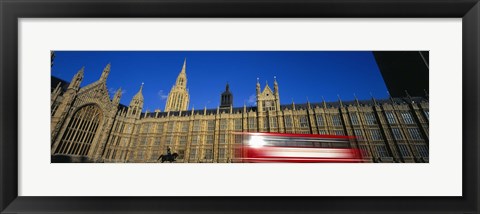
300	74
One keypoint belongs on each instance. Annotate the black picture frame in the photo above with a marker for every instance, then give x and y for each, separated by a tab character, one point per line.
11	11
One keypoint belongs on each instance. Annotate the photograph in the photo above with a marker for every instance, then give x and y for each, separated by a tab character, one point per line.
239	106
283	106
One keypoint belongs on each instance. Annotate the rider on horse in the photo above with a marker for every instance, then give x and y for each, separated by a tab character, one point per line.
169	157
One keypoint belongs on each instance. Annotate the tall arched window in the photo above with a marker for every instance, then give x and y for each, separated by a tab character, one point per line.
80	132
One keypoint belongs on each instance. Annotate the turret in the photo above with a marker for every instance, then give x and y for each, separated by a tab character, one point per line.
136	105
340	101
275	85
258	86
226	99
105	73
77	79
117	96
276	93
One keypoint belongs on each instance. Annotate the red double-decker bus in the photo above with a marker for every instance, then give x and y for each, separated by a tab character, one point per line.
295	148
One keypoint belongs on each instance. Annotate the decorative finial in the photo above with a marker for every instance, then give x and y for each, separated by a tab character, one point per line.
141	88
373	98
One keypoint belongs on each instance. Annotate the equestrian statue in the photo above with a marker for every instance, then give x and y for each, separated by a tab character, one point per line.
169	157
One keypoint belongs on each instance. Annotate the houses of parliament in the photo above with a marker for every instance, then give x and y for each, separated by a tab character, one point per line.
87	125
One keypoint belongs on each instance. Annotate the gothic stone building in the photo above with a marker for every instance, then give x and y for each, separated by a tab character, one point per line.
89	126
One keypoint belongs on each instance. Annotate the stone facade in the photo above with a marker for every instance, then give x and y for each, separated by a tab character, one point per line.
87	125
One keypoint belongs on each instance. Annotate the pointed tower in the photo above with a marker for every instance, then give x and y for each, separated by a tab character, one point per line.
77	79
340	101
136	105
105	73
226	99
117	96
276	93
356	100
258	86
178	98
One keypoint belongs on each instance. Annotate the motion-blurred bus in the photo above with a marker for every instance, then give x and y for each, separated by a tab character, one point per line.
295	148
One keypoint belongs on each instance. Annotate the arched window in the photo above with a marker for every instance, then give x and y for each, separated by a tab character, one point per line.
80	132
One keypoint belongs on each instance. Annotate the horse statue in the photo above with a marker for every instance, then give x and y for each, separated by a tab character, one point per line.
170	158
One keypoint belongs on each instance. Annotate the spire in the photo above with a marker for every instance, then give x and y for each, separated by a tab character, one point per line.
356	99
258	86
141	88
182	77
324	103
136	105
139	94
390	97
184	68
275	85
105	72
373	98
117	96
77	79
408	95
226	98
340	100
293	104
81	70
308	103
178	98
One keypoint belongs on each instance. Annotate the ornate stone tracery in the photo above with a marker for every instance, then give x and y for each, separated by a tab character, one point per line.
81	131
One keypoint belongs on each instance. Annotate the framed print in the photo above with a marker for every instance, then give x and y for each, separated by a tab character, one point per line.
254	106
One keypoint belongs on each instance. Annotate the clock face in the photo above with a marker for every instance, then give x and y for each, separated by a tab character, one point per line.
268	104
